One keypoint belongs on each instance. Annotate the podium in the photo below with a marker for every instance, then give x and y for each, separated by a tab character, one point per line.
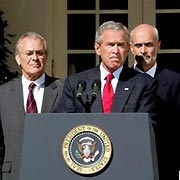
131	135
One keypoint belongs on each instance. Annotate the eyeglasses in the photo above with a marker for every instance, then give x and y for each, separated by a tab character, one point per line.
39	53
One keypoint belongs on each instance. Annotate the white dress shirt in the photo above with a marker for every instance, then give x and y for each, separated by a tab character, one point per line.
38	91
151	71
114	81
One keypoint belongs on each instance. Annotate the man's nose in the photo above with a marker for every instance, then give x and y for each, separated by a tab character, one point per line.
143	49
116	48
35	55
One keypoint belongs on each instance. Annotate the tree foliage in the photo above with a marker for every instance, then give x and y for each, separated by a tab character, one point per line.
5	73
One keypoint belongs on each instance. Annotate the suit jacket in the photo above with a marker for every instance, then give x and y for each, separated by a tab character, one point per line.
134	93
12	116
168	125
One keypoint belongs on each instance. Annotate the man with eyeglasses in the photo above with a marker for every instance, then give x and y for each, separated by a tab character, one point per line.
31	56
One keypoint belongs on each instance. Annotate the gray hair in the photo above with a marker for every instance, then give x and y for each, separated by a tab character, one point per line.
110	25
30	34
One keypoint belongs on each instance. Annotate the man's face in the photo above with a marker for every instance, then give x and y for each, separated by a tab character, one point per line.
113	49
32	57
144	43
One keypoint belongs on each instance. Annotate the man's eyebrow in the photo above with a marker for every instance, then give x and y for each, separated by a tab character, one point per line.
143	43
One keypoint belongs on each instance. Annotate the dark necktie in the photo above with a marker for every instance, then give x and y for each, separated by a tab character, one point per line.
108	94
31	103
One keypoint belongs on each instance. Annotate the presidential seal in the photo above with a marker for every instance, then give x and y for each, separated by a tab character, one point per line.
86	149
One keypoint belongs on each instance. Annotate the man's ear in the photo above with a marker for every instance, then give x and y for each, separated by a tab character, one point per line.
131	48
18	59
97	48
159	45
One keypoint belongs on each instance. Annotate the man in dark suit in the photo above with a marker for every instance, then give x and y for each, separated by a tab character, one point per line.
133	92
31	56
145	44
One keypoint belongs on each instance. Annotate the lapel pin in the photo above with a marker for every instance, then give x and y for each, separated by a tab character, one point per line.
126	89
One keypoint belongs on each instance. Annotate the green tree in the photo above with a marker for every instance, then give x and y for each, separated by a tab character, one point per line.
5	73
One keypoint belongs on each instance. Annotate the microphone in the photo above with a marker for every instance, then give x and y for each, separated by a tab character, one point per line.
139	59
96	85
81	86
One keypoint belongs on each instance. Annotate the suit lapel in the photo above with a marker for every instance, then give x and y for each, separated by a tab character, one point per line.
94	74
17	98
50	94
161	78
123	90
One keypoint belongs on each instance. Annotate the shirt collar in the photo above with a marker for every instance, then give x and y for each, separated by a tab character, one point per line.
104	72
151	71
39	82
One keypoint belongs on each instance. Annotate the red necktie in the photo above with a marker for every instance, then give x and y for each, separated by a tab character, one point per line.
108	94
31	103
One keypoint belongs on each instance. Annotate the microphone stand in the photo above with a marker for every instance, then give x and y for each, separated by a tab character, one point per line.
95	88
87	105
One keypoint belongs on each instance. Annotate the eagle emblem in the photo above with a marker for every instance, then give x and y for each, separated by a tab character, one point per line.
87	149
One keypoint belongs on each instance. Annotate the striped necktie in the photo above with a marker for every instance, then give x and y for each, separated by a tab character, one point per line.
31	103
